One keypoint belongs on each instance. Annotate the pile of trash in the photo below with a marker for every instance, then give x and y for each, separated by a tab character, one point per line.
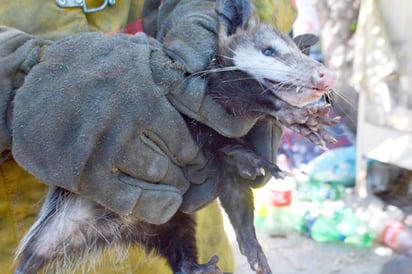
318	202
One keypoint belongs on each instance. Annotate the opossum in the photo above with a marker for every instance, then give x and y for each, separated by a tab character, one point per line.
256	71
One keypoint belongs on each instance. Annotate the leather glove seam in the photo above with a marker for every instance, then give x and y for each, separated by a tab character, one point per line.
9	113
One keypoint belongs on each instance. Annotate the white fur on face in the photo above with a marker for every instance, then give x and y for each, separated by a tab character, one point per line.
251	60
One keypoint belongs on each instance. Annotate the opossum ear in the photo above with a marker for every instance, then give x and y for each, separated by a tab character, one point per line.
234	14
305	41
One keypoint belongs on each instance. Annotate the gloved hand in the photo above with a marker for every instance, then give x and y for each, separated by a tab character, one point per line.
187	30
91	117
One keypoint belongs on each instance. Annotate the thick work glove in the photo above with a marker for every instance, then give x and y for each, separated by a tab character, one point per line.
18	53
187	30
91	116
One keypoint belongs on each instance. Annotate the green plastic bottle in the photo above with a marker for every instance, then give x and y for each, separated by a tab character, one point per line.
356	231
324	229
342	225
311	190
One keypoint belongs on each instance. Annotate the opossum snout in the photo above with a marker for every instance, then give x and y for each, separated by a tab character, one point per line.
304	89
323	78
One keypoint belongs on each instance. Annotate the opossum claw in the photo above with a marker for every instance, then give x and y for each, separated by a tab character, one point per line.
337	119
249	165
261	266
275	170
312	109
328	121
324	109
326	136
285	174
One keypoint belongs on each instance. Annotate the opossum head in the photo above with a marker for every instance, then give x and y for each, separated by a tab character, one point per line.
268	56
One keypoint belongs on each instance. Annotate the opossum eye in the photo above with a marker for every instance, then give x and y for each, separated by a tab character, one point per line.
269	52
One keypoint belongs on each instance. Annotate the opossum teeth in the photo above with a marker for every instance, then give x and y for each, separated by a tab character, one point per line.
247	173
298	89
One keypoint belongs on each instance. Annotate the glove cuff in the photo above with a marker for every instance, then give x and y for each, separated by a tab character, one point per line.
18	54
198	196
265	137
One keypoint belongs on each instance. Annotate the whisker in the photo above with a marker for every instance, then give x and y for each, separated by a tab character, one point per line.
344	98
342	109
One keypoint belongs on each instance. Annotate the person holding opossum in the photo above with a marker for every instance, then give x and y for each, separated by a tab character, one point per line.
93	151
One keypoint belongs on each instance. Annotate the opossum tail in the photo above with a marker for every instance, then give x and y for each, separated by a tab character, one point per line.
67	226
30	262
71	232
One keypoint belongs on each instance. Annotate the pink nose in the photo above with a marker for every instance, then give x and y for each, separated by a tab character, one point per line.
323	78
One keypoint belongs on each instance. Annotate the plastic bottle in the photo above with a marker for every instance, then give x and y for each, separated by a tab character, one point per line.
384	220
279	198
275	220
328	191
324	229
322	225
299	213
337	223
396	236
355	231
311	190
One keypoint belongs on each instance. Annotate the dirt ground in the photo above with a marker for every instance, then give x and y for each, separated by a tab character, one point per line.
301	255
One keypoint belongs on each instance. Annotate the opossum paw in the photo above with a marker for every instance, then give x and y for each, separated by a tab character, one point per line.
309	122
208	268
261	265
249	165
246	162
316	134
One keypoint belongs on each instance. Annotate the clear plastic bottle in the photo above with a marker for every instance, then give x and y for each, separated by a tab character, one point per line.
279	198
275	222
396	236
385	221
